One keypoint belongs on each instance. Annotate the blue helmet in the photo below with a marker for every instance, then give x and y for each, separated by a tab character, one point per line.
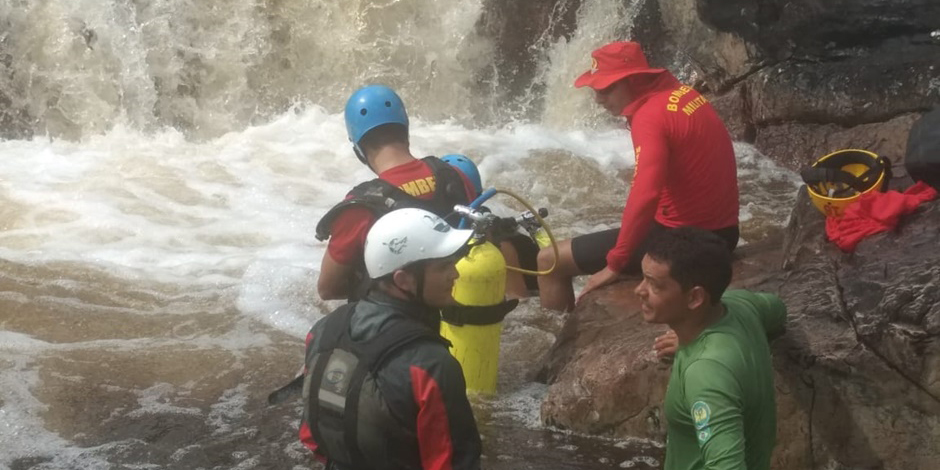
372	106
467	167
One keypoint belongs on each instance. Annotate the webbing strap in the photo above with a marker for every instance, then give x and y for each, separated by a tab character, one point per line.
470	315
830	171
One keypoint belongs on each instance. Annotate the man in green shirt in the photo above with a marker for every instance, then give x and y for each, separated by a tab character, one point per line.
719	407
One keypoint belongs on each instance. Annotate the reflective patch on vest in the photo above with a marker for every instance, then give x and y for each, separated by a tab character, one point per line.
336	378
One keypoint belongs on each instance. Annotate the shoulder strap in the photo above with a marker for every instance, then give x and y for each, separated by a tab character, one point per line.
373	354
449	186
381	197
831	172
814	175
460	315
378	350
377	195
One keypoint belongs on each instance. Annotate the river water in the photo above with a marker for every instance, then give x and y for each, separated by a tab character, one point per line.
157	262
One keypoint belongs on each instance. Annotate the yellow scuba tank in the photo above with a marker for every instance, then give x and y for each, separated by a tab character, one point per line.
541	238
474	332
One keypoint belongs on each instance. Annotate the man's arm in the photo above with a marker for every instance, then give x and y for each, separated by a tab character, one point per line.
770	310
714	401
344	253
336	279
447	432
652	166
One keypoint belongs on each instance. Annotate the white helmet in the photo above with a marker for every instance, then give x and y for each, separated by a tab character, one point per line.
404	236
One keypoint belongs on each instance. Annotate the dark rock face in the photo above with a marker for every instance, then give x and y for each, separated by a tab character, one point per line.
893	300
796	143
858	372
734	107
818	67
521	29
849	90
15	122
871	373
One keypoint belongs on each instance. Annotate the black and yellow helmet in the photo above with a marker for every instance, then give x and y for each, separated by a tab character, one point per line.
838	179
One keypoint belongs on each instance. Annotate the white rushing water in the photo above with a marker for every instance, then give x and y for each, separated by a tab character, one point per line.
157	259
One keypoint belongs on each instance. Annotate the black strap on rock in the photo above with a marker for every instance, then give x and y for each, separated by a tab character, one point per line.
830	171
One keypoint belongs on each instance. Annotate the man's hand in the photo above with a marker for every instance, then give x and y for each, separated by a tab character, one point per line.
597	280
666	344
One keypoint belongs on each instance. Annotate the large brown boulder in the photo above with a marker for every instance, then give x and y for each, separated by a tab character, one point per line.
605	377
858	371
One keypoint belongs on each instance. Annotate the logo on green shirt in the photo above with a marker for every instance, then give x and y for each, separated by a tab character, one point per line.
701	414
704	434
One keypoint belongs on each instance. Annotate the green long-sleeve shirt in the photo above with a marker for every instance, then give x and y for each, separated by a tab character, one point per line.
720	406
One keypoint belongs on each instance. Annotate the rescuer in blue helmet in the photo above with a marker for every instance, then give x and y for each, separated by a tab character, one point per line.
377	126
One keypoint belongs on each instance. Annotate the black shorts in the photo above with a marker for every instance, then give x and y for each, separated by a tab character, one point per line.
590	251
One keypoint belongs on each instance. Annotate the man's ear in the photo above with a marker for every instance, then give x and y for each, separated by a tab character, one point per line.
697	297
404	281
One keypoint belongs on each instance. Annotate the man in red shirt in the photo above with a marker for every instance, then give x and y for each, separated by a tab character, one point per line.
685	173
377	124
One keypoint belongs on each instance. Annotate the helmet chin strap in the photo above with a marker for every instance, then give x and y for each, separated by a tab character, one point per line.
419	276
418	296
362	156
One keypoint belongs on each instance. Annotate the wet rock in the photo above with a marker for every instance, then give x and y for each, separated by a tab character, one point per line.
810	27
721	57
520	30
795	144
786	75
857	374
605	377
734	107
859	86
28	462
14	121
729	39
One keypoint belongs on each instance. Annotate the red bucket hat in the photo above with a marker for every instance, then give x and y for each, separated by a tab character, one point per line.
613	62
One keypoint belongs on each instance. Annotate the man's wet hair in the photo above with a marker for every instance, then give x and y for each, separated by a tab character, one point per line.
391	133
695	257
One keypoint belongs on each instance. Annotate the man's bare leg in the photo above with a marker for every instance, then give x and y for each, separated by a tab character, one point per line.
555	290
515	282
